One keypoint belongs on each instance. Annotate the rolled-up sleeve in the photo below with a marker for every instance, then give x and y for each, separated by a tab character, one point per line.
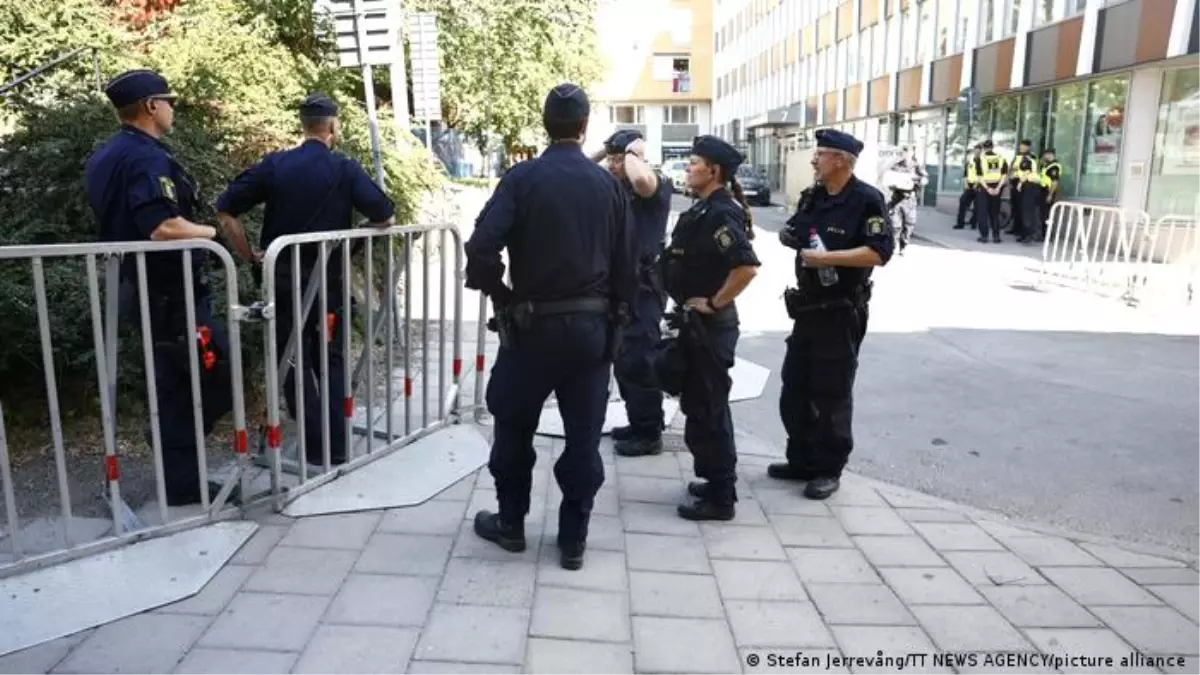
249	189
731	240
878	234
152	196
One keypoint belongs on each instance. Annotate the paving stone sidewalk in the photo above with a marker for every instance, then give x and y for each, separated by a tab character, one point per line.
874	569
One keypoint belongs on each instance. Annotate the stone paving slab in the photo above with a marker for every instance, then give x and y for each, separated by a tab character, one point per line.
789	586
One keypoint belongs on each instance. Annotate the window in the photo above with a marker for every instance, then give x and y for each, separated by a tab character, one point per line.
945	26
626	114
679	114
908	39
926	31
1005	115
1014	16
1034	107
878	49
1066	129
1099	172
966	11
1176	165
956	152
987	19
681	76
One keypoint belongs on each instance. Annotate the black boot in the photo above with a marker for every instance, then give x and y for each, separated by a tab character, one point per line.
508	536
570	554
703	509
785	471
622	433
698	488
638	446
822	488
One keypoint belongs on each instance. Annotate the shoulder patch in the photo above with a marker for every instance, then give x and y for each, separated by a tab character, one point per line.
875	225
723	237
168	187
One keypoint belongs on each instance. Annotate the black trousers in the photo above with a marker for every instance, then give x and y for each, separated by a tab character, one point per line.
816	403
987	213
966	203
643	404
1016	201
564	355
1032	199
708	431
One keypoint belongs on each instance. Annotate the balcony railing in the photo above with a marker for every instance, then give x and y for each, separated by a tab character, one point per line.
681	83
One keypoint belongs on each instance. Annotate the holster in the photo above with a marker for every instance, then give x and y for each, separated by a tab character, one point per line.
503	324
615	339
798	302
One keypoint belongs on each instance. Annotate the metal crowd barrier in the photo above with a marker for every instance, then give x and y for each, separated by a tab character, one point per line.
1168	260
127	526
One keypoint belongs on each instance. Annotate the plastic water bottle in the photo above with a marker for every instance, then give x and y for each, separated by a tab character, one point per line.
827	275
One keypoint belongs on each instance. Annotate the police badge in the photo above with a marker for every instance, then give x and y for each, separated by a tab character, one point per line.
875	225
168	187
724	238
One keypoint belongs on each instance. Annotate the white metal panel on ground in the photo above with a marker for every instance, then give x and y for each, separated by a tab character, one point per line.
407	477
749	379
50	603
551	423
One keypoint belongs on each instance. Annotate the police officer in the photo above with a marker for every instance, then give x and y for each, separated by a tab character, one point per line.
830	312
988	173
966	201
650	197
905	209
1023	201
568	228
1051	175
140	192
309	188
709	262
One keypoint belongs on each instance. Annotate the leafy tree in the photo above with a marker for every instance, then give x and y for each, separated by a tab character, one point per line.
499	59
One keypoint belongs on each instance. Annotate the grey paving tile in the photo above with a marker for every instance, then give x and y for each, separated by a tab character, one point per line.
994	568
1153	630
957	537
602	571
574	656
604	534
654	490
1100	649
1050	551
896	641
788	660
1003	532
255	551
1098	586
930	586
1039	607
779	624
859	604
758	580
855	493
215	595
123	646
1177	664
901	551
654	466
358	649
607	502
923	515
472	581
460	491
405	554
1119	557
383	600
656	519
684	595
497	634
788	501
742	542
42	658
969	628
343	530
870	520
908	499
1158	575
811	532
470	545
308	571
1182	597
666	645
581	615
432	517
832	566
460	668
266	621
659	553
236	661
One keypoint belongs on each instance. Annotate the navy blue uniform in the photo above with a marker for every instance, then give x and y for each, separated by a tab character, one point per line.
134	183
708	241
568	228
816	401
643	405
309	189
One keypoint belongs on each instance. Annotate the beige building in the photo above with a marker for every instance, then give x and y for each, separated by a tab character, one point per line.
659	73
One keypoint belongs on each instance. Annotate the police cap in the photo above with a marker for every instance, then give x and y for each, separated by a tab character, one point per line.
132	86
617	143
717	151
838	140
986	145
566	103
318	105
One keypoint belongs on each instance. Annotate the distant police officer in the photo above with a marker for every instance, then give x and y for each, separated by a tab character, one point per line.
650	196
1051	174
966	201
1023	193
138	192
309	188
568	228
709	262
830	313
988	173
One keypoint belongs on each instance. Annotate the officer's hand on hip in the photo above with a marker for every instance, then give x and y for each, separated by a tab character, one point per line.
701	305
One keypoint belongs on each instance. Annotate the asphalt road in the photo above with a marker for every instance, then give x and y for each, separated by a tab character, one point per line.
1049	406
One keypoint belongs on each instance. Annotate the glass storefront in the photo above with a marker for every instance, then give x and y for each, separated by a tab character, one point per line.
1176	167
1101	167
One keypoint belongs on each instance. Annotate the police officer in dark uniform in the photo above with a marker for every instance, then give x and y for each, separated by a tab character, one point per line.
650	197
568	227
830	312
988	173
140	192
966	201
1022	201
309	188
709	262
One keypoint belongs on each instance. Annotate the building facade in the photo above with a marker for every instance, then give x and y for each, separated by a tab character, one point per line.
659	73
1112	85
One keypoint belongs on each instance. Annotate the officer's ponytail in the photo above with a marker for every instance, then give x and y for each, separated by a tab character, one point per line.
736	187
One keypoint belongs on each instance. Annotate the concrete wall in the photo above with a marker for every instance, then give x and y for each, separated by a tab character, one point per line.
1141	122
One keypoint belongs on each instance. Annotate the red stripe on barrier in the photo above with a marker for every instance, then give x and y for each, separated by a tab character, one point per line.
239	441
112	471
479	362
407	387
348	406
273	437
457	367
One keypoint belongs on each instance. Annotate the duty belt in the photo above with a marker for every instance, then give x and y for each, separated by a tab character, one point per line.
552	307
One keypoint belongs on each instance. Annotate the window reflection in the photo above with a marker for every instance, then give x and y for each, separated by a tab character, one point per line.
1176	167
1066	131
1100	169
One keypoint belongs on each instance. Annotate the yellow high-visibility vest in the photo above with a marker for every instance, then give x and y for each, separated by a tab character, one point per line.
1030	175
987	170
1046	180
